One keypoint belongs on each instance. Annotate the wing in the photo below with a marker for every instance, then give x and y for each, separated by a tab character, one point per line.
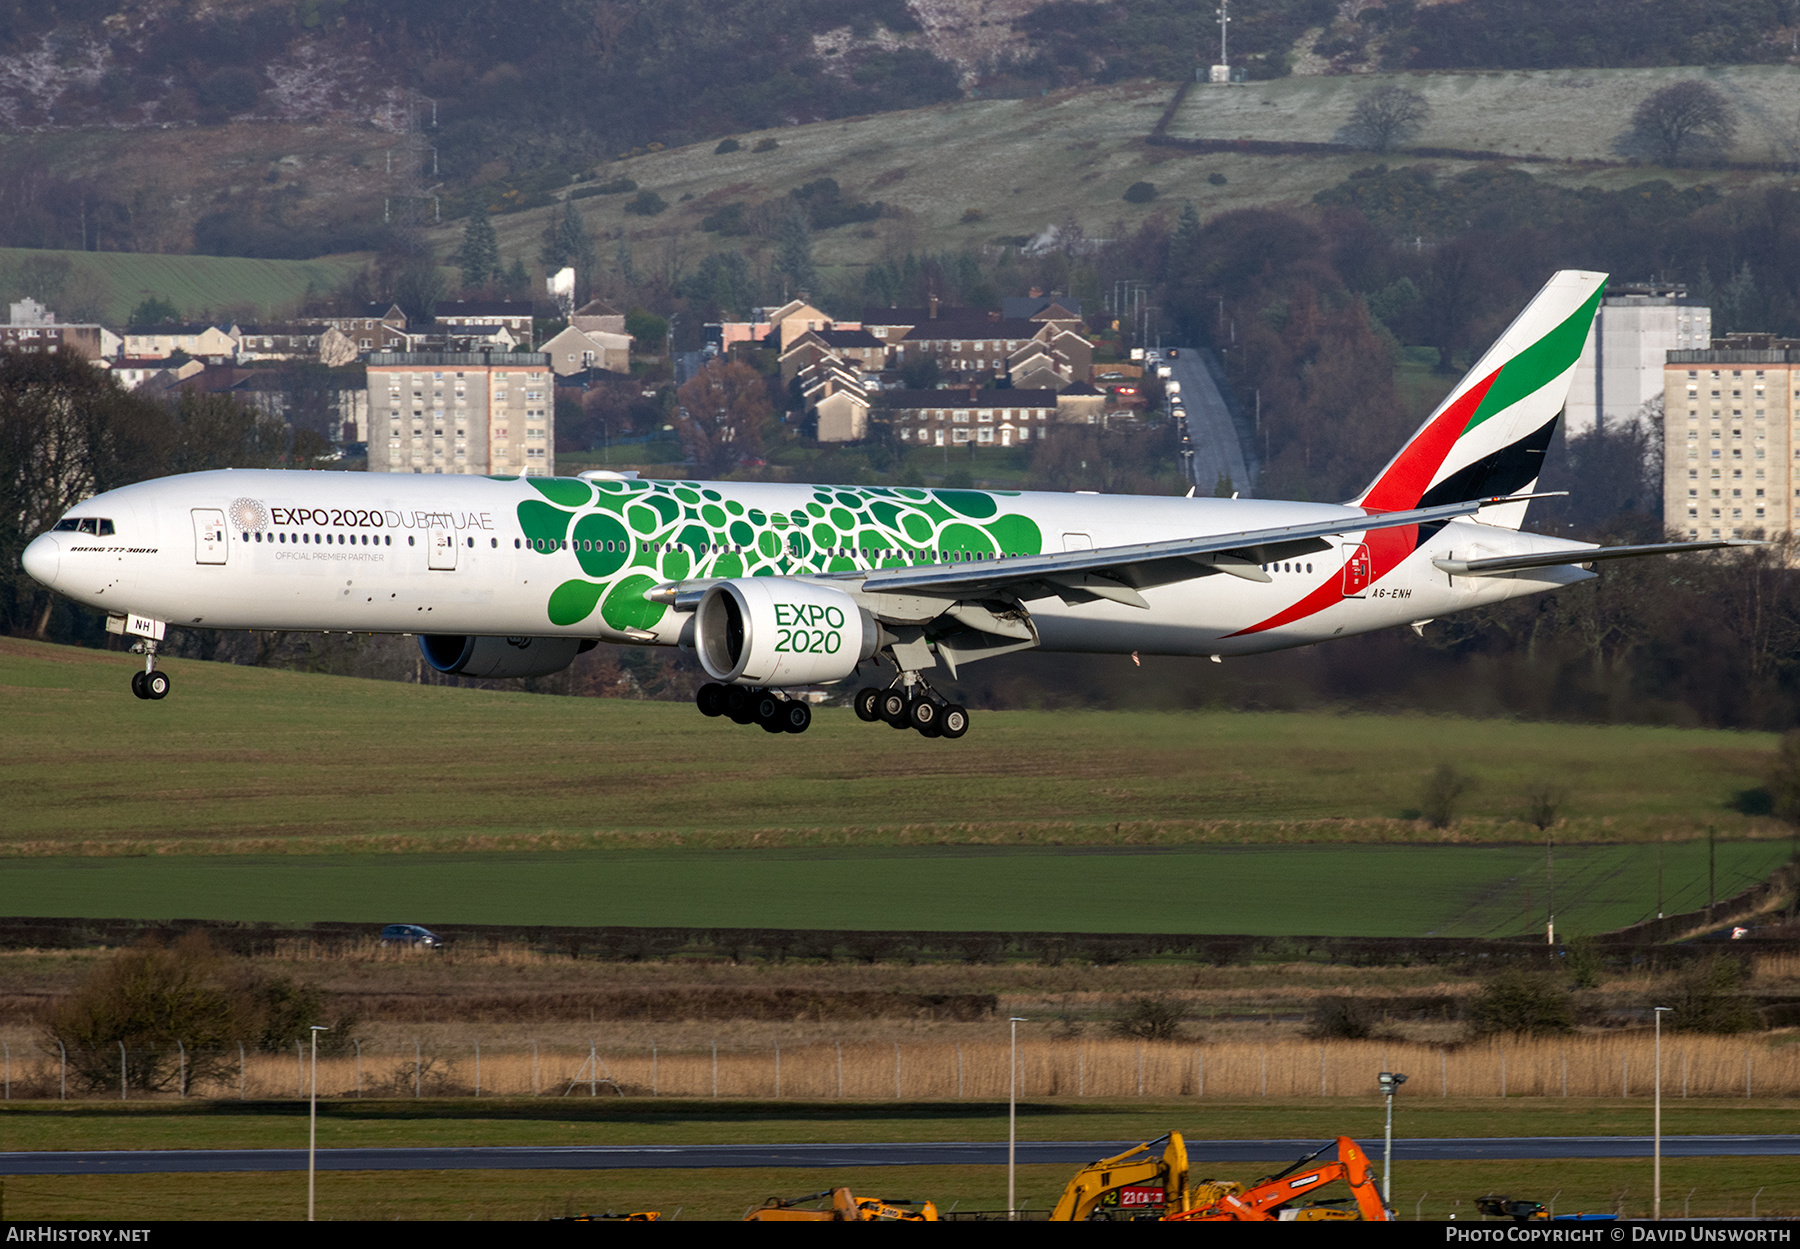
1119	572
1585	555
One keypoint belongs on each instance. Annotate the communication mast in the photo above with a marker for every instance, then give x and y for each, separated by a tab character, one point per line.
412	161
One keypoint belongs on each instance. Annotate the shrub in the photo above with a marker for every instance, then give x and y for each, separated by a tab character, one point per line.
1443	794
727	145
729	220
618	186
1522	1002
1705	998
1217	179
972	215
1584	963
765	145
646	204
1342	1019
1140	192
1542	803
178	1011
1149	1019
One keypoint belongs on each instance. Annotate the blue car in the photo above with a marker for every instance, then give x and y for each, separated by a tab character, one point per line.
410	934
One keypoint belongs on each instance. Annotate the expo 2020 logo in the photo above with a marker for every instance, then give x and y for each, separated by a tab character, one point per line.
248	515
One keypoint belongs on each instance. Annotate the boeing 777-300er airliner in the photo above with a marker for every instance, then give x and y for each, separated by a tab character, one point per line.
778	586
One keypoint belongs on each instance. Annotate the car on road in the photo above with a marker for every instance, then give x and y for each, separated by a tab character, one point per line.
410	935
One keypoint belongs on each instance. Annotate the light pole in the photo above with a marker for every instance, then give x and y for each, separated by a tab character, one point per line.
1012	1123
1656	1167
312	1121
1390	1084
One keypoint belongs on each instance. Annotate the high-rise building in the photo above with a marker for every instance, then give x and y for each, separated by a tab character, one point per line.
487	412
1621	367
1729	435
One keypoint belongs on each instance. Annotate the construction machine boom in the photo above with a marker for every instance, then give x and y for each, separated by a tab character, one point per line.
1137	1184
1269	1199
844	1207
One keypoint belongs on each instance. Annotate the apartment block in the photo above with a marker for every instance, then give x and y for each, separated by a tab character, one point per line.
1621	365
487	412
1730	437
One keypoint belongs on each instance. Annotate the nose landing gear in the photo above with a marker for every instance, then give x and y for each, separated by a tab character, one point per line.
150	683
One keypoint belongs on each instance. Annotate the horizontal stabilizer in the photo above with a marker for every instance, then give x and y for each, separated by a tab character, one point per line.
1551	559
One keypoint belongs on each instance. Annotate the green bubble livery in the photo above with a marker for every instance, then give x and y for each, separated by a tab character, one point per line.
630	535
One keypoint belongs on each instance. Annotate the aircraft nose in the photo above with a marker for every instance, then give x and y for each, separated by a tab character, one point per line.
42	559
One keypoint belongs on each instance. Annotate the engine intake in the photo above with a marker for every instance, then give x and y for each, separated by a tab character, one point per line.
773	631
494	658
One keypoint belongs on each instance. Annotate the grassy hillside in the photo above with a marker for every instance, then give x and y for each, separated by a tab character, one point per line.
113	283
1026	165
1569	115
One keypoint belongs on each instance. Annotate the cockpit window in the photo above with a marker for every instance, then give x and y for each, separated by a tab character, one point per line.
67	525
106	526
96	525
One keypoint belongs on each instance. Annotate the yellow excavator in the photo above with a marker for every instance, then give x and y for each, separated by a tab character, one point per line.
1137	1184
844	1207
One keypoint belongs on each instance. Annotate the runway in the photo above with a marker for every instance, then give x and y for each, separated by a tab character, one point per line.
923	1154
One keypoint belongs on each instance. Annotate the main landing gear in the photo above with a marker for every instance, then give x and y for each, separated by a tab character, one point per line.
912	704
775	711
150	683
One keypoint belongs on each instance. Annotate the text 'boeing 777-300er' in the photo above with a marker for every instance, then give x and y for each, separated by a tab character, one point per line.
778	586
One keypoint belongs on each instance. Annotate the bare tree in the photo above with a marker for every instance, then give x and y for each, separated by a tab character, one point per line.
1680	116
723	409
1385	117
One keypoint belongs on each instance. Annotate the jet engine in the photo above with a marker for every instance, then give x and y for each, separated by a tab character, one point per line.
772	631
501	657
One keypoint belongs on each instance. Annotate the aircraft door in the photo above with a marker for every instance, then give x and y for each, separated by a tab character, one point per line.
443	549
1077	542
211	542
1356	570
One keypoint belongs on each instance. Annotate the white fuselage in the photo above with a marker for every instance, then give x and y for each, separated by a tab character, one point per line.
355	552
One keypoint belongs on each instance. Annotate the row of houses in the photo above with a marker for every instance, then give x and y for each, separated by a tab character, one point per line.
594	338
1004	374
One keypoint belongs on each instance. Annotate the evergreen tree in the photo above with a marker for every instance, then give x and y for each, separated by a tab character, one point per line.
793	250
479	258
566	243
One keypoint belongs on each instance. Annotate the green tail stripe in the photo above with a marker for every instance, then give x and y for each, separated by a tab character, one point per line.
1539	364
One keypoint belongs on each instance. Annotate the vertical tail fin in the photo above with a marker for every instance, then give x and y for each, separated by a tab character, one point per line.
1488	436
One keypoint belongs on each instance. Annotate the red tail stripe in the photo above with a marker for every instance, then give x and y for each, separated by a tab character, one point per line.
1405	483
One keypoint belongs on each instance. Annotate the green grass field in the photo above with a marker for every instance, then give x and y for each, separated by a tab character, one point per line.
1718	1187
198	285
1433	1190
1377	891
257	794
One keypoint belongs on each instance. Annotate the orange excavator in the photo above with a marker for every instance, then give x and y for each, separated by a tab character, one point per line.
1272	1199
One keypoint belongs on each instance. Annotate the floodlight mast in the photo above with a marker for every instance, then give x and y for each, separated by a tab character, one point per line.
1012	1124
1390	1084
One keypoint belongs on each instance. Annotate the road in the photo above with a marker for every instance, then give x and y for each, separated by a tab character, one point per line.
1214	439
938	1153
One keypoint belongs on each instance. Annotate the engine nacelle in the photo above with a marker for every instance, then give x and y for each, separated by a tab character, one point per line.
501	657
777	632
